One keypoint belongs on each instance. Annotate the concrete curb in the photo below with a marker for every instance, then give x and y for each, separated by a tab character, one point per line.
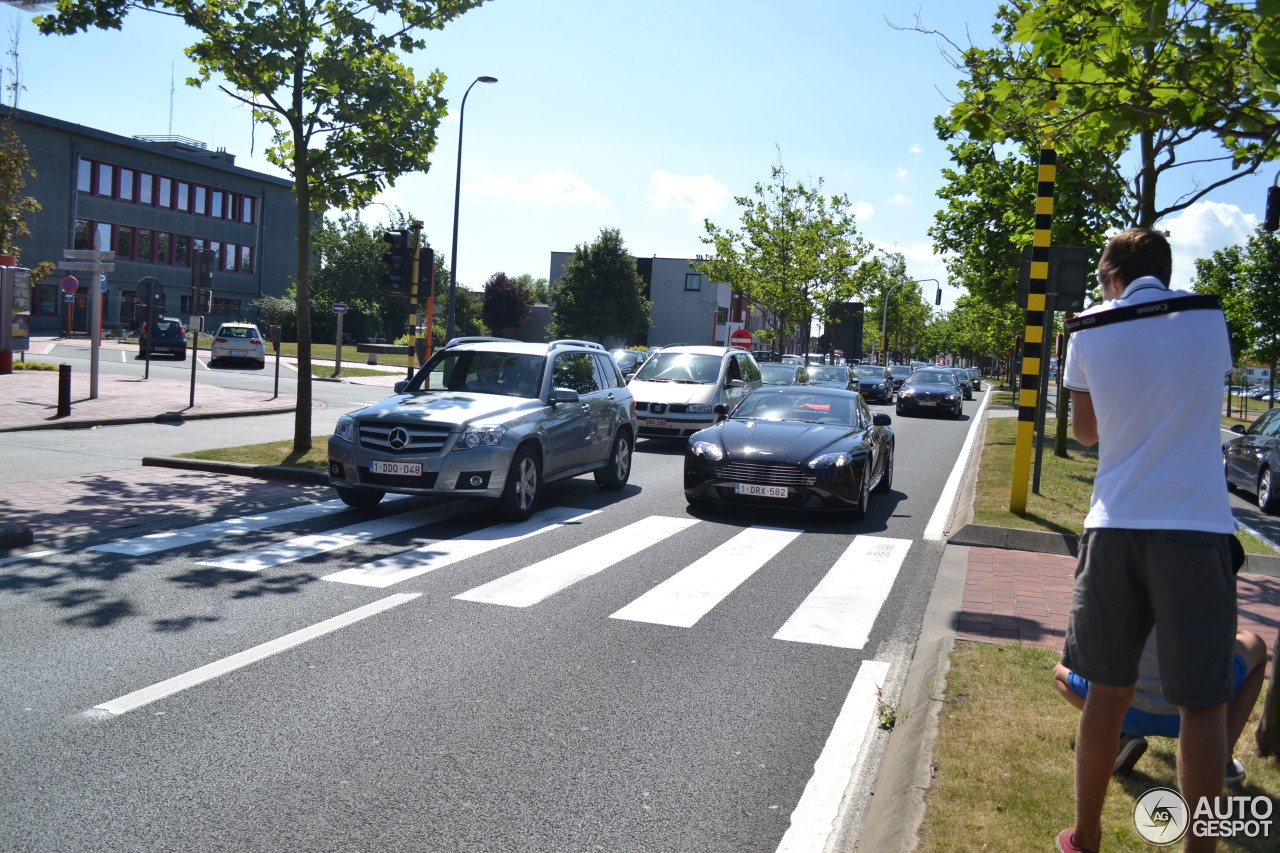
164	417
302	476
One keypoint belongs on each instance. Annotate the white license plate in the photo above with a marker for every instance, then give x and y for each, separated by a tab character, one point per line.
403	469
928	402
653	422
761	491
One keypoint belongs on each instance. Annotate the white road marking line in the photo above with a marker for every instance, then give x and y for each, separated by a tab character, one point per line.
685	597
210	671
401	567
168	539
843	606
534	583
319	543
30	555
814	817
937	526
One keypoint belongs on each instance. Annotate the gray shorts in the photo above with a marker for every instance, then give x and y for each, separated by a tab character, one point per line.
1129	580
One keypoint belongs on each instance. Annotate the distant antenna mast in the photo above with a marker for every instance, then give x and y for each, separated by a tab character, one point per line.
171	99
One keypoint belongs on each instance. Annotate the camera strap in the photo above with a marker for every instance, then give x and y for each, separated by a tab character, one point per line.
1160	307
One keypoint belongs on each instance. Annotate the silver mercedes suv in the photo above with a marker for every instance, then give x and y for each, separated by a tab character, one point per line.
490	418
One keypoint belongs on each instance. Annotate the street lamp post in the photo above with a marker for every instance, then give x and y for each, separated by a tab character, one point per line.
884	319
457	193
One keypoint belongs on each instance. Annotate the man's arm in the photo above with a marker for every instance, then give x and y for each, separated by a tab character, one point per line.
1084	423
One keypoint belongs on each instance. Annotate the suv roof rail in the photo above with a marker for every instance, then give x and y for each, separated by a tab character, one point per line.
569	342
479	339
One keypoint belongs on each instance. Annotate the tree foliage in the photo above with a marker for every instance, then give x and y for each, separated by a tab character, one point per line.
347	117
537	287
600	294
15	168
1247	278
1141	77
507	303
797	253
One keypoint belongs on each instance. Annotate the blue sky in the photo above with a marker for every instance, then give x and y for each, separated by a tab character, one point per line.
645	117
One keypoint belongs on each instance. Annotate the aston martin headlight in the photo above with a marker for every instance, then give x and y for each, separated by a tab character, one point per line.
481	436
345	429
830	460
707	450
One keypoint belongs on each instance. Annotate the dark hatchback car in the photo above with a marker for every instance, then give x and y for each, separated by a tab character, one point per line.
874	382
168	337
832	376
1251	460
773	373
793	448
931	391
900	373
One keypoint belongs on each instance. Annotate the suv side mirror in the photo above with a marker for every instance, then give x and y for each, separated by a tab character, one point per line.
734	383
401	385
564	395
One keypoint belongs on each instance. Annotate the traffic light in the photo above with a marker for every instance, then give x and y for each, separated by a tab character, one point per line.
426	271
397	260
202	281
1272	221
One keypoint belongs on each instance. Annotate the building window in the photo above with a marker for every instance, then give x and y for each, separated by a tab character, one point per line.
215	204
84	176
84	235
146	188
162	248
200	206
246	210
105	178
144	244
126	185
102	236
182	195
164	197
182	250
124	242
246	259
692	281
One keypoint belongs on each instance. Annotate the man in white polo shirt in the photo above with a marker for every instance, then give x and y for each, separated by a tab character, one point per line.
1155	549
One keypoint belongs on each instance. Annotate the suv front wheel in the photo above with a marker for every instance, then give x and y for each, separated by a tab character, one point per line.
615	474
359	497
524	486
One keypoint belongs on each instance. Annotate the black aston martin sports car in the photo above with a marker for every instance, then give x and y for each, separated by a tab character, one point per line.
792	447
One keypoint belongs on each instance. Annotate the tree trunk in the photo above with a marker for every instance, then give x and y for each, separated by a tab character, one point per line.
302	196
1268	733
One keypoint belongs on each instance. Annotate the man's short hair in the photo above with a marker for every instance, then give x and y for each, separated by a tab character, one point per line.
1137	252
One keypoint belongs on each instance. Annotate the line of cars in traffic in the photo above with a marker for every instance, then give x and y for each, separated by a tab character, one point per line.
497	419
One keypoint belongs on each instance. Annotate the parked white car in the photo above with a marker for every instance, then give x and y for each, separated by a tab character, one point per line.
238	340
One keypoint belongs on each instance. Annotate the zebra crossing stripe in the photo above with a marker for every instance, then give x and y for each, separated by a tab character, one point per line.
401	567
167	539
319	543
842	608
541	580
685	597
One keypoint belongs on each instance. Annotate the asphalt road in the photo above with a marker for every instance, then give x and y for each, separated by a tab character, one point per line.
468	692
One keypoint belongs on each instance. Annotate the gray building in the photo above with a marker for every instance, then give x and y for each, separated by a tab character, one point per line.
153	201
688	308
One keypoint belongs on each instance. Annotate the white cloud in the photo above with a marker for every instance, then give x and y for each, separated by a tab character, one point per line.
900	200
863	211
902	173
915	149
700	196
552	188
1201	230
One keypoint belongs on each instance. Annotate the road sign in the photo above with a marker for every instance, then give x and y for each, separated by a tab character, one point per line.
741	338
88	254
70	284
86	266
102	283
339	307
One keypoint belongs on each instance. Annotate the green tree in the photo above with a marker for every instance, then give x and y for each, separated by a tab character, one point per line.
347	117
507	303
15	168
348	268
798	252
1247	278
1140	77
537	287
600	294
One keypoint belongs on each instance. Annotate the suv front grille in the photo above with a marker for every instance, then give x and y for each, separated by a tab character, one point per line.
413	438
766	474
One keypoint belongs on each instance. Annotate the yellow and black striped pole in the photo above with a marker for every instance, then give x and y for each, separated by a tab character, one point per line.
1033	338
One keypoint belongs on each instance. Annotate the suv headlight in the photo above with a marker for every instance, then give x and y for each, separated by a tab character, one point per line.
831	460
699	409
707	450
481	436
345	429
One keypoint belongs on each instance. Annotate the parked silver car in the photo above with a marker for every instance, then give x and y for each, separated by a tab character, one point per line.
491	418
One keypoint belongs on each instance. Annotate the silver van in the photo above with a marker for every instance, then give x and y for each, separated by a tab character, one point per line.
677	389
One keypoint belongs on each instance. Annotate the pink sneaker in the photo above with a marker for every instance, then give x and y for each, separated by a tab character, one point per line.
1066	842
